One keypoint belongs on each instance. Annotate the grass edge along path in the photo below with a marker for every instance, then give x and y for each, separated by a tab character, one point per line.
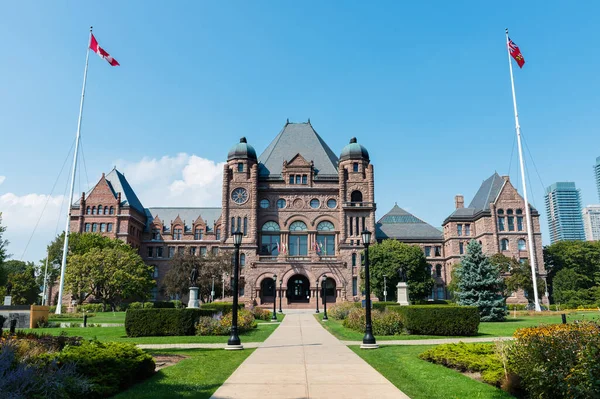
420	379
198	376
117	334
486	329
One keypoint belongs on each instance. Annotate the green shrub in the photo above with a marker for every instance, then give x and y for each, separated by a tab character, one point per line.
109	366
177	304
162	322
136	305
90	308
383	305
70	316
223	307
122	307
148	305
480	358
384	323
557	361
52	309
439	320
221	324
340	311
159	305
261	314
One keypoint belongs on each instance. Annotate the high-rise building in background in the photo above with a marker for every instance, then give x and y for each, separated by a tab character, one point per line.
563	207
597	174
591	222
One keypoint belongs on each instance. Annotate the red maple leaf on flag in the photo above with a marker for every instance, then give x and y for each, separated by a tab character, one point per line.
516	53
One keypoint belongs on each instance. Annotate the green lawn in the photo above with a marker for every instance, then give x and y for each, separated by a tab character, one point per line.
198	376
117	334
490	329
100	317
423	380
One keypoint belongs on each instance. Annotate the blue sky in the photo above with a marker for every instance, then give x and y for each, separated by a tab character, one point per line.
423	85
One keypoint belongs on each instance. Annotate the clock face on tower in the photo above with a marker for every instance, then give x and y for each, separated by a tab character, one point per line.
239	195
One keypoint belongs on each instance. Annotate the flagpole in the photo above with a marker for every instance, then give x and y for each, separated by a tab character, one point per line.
527	209
66	243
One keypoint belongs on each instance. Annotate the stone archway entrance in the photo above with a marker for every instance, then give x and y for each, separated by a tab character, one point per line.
267	290
298	290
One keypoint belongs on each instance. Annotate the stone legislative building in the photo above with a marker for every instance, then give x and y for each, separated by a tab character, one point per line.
301	209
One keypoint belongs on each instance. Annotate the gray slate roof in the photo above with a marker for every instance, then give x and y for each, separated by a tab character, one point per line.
401	225
297	138
487	193
118	183
188	215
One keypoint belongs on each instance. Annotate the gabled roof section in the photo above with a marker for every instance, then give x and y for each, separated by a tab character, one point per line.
487	193
119	184
285	146
401	225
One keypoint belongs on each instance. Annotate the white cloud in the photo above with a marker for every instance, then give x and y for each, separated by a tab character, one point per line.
181	180
20	214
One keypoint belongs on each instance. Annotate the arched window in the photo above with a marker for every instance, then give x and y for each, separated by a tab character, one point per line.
94	227
103	227
99	209
106	210
239	224
325	226
510	219
218	233
298	239
242	260
88	211
522	245
328	287
501	220
93	210
429	269
298	226
356	196
245	226
504	244
233	225
519	220
438	270
112	210
270	239
88	227
109	227
325	244
155	273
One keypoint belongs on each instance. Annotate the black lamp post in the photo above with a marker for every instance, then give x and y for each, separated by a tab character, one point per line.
324	297
234	340
274	315
368	340
280	295
317	296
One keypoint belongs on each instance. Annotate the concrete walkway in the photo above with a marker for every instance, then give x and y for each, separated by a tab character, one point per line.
302	360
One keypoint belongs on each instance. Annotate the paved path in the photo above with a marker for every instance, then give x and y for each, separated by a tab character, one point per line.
435	341
301	360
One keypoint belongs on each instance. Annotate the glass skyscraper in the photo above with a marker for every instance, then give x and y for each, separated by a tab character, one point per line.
597	174
563	207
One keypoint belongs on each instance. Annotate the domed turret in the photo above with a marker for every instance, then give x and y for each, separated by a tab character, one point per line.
242	150
354	151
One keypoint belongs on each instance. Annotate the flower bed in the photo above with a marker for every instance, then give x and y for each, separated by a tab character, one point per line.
45	366
221	324
384	323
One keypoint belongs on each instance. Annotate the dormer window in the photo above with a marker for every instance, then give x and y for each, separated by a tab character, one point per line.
355	167
156	234
177	234
240	166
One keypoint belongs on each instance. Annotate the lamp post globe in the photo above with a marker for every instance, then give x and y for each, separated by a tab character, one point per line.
280	294
324	286
234	339
274	315
368	340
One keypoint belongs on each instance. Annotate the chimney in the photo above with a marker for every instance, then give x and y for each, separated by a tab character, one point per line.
506	178
459	201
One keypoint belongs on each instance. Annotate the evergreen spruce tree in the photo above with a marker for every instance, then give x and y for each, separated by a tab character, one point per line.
480	284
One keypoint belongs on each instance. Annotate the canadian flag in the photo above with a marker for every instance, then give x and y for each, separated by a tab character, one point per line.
101	52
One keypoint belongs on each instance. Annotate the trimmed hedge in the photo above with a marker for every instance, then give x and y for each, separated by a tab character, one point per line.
163	322
383	305
223	307
439	320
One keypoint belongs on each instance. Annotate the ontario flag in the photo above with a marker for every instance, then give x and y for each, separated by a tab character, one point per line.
101	52
516	53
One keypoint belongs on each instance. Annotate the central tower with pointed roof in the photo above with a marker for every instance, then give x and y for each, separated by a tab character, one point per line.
301	210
